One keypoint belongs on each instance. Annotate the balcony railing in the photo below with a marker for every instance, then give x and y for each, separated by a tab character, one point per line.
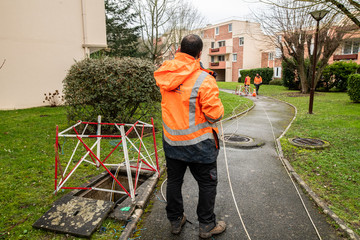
346	57
220	51
217	65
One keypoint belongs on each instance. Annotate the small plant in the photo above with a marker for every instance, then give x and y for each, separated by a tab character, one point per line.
354	87
54	99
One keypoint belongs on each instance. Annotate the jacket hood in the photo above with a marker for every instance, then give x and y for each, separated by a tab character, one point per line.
174	72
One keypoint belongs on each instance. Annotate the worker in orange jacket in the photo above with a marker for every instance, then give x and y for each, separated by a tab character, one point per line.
257	82
190	108
247	84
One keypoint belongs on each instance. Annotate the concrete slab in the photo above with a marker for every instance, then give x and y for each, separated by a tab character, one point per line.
75	215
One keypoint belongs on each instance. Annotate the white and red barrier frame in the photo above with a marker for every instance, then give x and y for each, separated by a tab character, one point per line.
96	161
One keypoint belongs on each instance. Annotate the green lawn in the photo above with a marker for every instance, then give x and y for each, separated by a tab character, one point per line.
333	173
27	140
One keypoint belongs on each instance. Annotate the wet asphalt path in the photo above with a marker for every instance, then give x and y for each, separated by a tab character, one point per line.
266	197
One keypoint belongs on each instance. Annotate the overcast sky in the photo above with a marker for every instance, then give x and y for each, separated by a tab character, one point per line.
216	11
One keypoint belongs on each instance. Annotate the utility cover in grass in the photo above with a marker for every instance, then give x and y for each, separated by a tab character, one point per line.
75	215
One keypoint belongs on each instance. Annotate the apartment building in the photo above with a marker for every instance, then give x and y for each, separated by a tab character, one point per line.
348	50
40	40
233	46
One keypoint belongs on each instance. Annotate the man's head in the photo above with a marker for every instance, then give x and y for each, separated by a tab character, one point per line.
257	74
192	45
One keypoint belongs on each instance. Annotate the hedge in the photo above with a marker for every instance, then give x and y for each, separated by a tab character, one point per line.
354	87
265	73
119	89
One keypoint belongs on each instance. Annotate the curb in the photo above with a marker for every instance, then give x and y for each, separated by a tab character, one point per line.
319	202
140	204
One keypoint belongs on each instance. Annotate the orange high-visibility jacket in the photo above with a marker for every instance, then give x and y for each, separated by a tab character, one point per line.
258	80
247	80
190	107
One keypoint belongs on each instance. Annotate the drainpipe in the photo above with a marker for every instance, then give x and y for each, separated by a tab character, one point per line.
84	28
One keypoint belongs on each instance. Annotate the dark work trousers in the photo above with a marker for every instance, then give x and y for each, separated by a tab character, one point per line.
206	177
257	86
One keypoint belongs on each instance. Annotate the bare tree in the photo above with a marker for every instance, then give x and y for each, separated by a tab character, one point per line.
186	20
295	29
154	17
165	23
349	8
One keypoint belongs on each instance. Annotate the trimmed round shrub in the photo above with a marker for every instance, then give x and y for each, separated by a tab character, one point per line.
337	74
354	87
121	90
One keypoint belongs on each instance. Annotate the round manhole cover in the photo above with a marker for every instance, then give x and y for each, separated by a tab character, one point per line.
241	141
309	143
236	138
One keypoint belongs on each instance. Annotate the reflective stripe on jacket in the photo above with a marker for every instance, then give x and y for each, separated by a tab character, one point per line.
190	107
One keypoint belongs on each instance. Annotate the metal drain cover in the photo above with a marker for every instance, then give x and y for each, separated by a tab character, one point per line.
241	141
309	143
236	138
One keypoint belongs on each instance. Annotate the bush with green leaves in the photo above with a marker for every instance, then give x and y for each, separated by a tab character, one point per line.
265	73
337	74
354	87
119	89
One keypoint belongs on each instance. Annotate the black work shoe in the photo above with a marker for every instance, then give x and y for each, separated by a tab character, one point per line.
219	228
176	225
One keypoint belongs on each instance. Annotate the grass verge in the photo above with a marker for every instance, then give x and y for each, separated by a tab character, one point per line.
27	140
333	173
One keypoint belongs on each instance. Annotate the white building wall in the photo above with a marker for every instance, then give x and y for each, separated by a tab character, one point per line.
39	41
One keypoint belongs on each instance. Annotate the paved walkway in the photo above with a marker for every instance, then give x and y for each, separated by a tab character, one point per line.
266	197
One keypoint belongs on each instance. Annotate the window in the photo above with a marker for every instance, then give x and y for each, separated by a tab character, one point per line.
221	58
351	47
279	38
240	72
202	34
217	31
241	41
271	56
277	72
234	57
212	45
277	52
221	43
230	27
212	59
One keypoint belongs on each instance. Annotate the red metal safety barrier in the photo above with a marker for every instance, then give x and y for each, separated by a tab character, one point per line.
96	160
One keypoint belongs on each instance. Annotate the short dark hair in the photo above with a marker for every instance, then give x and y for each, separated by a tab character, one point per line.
192	45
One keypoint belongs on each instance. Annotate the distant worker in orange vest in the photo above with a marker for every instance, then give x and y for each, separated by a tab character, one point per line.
247	84
257	83
190	108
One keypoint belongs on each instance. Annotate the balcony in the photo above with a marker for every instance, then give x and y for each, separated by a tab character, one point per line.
220	51
217	65
345	57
